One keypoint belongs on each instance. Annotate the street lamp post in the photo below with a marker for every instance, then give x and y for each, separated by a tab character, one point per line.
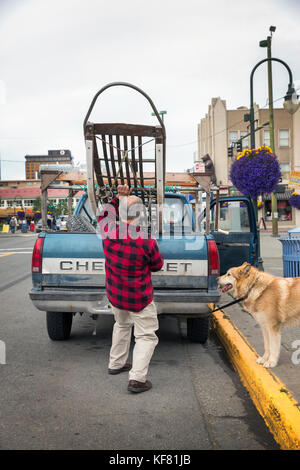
271	131
291	105
162	113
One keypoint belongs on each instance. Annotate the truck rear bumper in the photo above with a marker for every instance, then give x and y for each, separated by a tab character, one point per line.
177	302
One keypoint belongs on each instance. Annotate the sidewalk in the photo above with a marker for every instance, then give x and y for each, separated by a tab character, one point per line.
17	234
286	371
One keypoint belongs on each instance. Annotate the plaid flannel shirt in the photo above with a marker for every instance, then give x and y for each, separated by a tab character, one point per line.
130	257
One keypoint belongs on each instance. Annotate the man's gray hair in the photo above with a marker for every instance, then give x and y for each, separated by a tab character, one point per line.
131	211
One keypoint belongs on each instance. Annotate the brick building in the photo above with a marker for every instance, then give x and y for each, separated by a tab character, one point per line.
33	162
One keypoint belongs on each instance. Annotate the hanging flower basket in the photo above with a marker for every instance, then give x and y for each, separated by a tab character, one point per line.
21	215
255	172
37	215
295	200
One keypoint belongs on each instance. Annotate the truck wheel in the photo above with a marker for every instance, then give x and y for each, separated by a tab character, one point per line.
59	325
197	329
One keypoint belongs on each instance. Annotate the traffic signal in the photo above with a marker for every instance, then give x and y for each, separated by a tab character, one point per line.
239	146
230	152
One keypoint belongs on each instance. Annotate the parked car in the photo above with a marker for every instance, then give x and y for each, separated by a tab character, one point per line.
61	222
38	226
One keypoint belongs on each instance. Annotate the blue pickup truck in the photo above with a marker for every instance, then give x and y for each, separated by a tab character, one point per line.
68	267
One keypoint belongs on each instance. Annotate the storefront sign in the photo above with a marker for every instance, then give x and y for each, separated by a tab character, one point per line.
294	181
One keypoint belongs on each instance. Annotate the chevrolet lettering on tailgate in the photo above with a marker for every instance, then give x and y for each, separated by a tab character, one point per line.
86	265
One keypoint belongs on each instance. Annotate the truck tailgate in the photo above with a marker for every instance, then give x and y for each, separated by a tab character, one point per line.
77	260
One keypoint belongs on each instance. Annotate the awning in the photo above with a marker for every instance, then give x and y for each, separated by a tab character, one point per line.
280	196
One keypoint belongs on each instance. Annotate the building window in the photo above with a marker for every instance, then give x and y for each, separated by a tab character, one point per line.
19	203
284	140
285	170
28	202
2	203
245	142
267	138
284	210
233	137
10	203
75	201
284	167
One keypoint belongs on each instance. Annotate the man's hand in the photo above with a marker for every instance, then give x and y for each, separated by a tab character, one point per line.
123	191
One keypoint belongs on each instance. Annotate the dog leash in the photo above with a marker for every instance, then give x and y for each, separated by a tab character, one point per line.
237	300
230	303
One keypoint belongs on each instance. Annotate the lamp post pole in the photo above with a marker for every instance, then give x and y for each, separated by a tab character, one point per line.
291	107
271	130
162	113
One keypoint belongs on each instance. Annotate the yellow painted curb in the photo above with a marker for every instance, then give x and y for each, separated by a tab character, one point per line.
277	406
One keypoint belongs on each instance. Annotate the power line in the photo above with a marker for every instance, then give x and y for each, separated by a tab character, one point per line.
170	146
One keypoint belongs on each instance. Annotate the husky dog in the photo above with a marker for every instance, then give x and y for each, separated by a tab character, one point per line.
273	301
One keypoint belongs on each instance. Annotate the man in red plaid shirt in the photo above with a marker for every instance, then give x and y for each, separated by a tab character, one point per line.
130	257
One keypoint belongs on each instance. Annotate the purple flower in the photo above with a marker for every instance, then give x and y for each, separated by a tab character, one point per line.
21	215
295	201
256	173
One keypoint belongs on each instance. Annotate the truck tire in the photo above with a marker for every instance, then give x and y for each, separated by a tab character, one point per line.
59	325
78	223
197	329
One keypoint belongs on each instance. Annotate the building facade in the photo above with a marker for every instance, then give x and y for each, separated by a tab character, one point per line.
16	196
33	162
20	195
221	127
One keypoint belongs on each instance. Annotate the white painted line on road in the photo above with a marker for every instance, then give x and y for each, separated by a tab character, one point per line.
13	249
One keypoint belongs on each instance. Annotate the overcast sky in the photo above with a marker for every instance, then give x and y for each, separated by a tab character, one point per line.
56	54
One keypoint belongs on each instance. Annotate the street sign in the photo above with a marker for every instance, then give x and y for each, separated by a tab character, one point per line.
294	181
199	167
223	190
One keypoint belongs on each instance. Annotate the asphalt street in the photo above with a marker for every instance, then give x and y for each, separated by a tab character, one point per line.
58	395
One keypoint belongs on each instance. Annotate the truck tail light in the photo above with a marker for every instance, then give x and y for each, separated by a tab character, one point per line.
37	254
213	258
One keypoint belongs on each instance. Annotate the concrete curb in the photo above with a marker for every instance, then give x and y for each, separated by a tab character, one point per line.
277	406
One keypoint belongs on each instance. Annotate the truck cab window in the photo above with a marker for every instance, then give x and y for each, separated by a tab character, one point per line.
233	216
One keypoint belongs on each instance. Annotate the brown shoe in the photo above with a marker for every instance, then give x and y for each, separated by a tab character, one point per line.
125	368
138	387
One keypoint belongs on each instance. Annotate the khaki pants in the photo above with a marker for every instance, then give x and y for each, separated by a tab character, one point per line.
145	324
